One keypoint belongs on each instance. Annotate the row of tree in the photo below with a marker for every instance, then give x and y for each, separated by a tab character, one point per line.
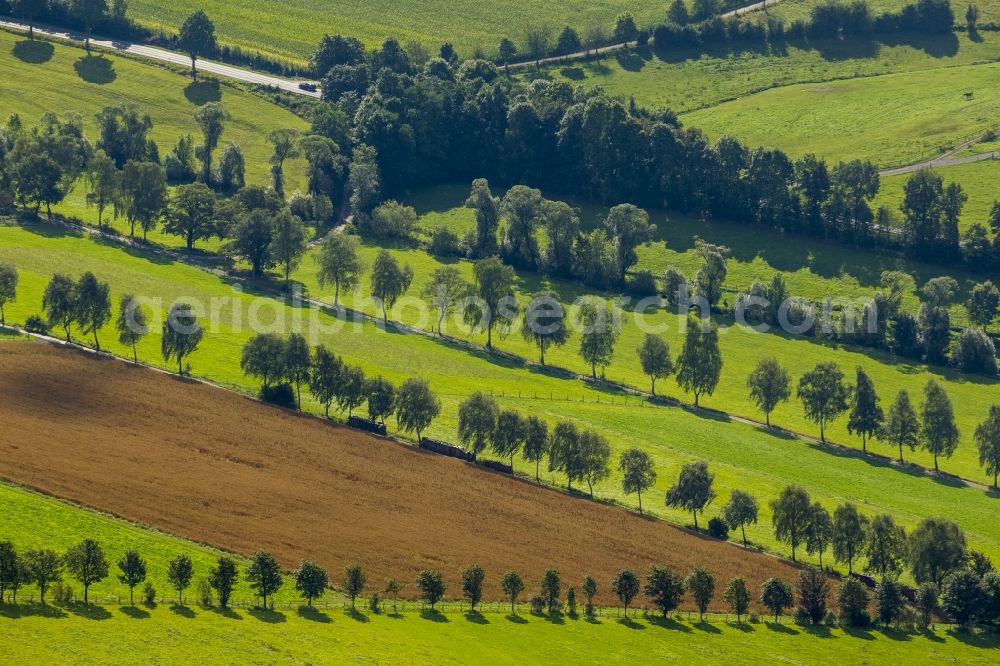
275	361
823	391
970	594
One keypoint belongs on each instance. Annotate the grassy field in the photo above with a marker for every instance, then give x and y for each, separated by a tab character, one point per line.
686	82
790	10
978	180
292	29
917	115
74	82
115	631
742	456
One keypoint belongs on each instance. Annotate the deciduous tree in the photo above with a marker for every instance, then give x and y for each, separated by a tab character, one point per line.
701	584
664	588
850	531
654	355
790	515
477	420
693	490
389	281
824	395
544	322
197	38
339	264
902	427
133	572
416	406
866	416
222	577
700	364
988	441
181	334
626	587
512	585
264	575
180	571
741	510
938	431
638	473
769	386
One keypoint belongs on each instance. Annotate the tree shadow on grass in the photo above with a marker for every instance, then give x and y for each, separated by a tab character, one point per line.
931	635
476	617
745	627
895	634
706	627
134	612
818	630
227	613
973	639
267	615
90	611
15	611
573	73
433	615
629	623
313	615
203	92
669	623
356	615
859	632
95	69
33	51
183	611
781	628
516	619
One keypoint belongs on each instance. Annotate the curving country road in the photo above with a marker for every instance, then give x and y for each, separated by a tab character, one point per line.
163	55
945	159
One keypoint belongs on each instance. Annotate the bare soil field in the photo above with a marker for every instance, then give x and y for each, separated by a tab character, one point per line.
210	465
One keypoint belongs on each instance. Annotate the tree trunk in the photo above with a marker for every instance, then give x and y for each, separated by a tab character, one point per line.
900	452
640	503
743	528
936	463
864	443
767	419
822	432
131	595
537	464
489	336
135	354
194	75
695	514
336	294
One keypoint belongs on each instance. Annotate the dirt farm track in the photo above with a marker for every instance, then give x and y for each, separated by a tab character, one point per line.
210	465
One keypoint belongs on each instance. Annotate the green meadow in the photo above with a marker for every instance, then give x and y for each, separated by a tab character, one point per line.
978	181
890	120
741	455
291	29
686	81
76	83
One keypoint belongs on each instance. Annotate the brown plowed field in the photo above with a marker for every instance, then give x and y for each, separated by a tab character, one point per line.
221	469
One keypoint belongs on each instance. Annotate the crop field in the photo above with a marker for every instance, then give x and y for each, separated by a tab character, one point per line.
76	83
687	82
741	455
978	181
113	631
917	115
291	29
211	466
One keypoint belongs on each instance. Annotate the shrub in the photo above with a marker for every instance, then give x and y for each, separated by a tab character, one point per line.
975	352
205	593
445	243
149	594
853	601
571	601
374	603
538	604
642	284
830	619
753	618
717	529
280	394
801	617
62	593
36	324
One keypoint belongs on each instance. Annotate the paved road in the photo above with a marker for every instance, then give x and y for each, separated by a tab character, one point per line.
154	53
945	159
